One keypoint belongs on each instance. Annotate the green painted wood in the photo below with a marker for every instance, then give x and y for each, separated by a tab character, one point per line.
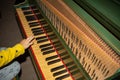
23	4
108	37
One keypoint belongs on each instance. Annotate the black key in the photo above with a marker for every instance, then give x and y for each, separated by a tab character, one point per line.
57	44
43	40
43	22
44	45
66	57
72	67
33	7
42	37
39	16
47	27
62	77
62	66
80	78
25	8
38	33
51	57
48	52
47	31
59	72
36	29
54	61
34	24
52	37
70	63
27	12
47	48
30	18
63	53
57	68
36	11
59	48
75	72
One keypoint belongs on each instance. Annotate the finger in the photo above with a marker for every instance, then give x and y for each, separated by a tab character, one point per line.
29	39
31	43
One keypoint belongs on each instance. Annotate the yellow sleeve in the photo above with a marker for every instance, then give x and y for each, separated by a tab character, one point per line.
9	54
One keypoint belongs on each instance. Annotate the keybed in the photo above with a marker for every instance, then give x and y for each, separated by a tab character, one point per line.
51	58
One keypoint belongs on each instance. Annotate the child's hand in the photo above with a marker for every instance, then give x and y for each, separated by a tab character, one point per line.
27	42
